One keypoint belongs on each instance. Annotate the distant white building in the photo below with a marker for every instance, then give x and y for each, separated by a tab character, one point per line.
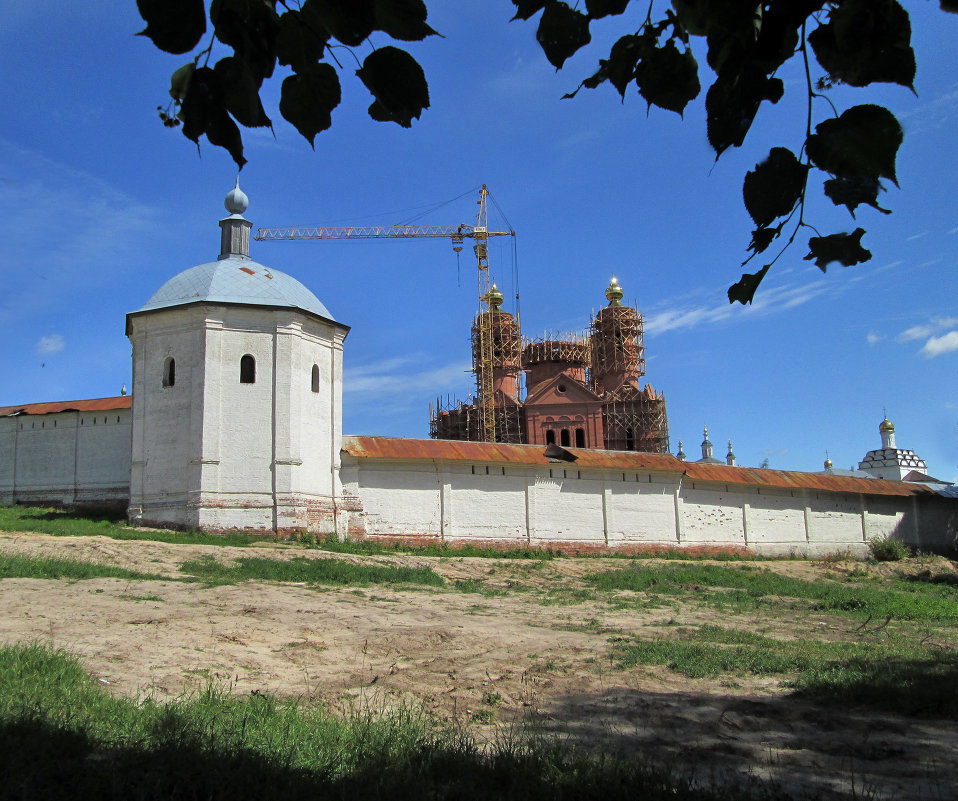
891	462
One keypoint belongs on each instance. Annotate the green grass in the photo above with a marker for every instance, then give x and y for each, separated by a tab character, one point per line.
44	567
63	737
896	672
309	571
754	588
71	523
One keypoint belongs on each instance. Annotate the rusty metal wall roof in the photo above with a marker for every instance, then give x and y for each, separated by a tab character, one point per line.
793	479
499	452
92	405
396	448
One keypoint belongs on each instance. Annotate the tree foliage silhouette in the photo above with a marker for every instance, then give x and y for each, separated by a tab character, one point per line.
854	42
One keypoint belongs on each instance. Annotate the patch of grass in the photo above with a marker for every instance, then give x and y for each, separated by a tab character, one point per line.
63	737
483	716
758	587
888	549
71	523
309	571
142	598
896	673
45	567
478	586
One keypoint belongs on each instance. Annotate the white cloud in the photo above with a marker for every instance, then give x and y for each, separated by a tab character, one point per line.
936	346
873	338
913	237
768	300
404	376
50	344
933	326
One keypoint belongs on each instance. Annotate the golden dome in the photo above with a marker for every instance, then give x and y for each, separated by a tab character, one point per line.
494	298
614	293
886	425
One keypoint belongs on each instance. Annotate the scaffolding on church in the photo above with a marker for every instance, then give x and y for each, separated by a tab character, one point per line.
618	346
462	420
636	420
567	348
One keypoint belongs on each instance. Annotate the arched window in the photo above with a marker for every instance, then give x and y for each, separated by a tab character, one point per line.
564	438
247	370
169	371
550	437
580	438
314	379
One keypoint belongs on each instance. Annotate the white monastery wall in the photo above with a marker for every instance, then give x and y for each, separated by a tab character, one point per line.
483	507
427	499
66	458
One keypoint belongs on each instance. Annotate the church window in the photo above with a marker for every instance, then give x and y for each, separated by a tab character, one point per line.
247	370
579	438
314	379
550	437
169	372
564	438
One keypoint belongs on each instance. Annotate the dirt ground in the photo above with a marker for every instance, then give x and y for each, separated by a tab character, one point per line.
466	657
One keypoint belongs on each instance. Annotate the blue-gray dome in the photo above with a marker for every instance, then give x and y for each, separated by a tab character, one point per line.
236	279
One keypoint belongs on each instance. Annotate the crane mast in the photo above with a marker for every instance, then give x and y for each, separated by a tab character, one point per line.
480	233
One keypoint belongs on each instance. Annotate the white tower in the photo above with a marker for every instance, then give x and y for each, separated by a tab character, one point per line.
237	397
891	462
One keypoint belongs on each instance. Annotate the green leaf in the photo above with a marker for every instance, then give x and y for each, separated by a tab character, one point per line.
222	132
744	290
668	78
851	192
398	83
174	26
349	21
844	248
180	81
527	8
403	19
301	40
241	93
562	31
862	143
774	187
732	103
251	28
308	99
203	97
596	9
866	41
762	238
203	112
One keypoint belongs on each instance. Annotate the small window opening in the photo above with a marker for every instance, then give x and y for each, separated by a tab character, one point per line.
550	437
580	438
629	439
564	438
247	370
314	379
169	372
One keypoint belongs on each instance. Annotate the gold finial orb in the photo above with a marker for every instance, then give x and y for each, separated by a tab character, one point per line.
614	293
494	298
886	425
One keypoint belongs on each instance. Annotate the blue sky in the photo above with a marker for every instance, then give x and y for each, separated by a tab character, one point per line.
101	205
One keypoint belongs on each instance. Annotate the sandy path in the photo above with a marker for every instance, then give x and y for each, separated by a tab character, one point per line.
453	652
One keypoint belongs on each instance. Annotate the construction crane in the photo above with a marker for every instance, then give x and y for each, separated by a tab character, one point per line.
458	234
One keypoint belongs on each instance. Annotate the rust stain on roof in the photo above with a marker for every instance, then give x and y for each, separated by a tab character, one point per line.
247	270
92	405
397	449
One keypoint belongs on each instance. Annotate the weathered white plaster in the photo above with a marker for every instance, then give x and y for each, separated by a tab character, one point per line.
65	458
